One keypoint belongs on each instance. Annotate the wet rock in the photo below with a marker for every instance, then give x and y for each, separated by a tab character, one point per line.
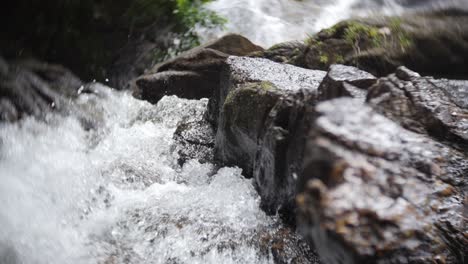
374	192
233	44
195	140
196	75
432	43
33	88
193	74
343	81
438	107
259	112
184	84
287	52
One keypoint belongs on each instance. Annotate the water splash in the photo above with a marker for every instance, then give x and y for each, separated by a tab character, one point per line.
117	195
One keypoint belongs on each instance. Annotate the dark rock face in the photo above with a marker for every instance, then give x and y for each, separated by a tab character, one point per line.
195	140
194	76
34	88
343	81
195	73
424	104
259	111
185	84
377	193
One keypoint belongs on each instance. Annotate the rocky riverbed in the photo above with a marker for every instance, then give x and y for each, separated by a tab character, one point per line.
349	147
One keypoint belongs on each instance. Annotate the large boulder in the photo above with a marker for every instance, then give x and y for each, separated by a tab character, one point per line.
438	107
260	111
374	192
193	74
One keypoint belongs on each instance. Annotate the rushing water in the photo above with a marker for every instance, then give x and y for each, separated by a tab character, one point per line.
117	195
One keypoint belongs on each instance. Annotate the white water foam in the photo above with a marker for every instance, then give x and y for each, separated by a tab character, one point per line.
117	195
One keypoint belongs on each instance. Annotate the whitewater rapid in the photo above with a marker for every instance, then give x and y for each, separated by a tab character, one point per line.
117	194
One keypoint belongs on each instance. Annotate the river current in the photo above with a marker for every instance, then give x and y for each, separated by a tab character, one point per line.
116	194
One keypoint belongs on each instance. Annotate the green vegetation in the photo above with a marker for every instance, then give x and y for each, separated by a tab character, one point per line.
339	59
357	34
323	59
404	39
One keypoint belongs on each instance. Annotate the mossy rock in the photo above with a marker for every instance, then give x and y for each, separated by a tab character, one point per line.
431	43
246	108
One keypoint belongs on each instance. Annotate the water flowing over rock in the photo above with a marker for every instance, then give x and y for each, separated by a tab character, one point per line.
369	189
260	111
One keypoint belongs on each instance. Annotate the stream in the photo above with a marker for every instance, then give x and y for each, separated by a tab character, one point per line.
116	194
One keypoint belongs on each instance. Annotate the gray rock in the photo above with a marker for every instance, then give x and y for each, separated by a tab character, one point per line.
344	80
193	74
424	104
195	140
374	192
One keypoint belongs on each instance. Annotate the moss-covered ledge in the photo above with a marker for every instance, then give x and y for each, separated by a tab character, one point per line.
432	44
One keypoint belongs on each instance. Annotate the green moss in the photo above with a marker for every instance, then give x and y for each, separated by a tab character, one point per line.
358	34
330	31
339	59
247	106
323	59
267	86
402	36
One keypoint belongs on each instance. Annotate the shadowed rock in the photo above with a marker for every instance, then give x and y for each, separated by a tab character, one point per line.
184	84
424	104
377	193
347	81
34	88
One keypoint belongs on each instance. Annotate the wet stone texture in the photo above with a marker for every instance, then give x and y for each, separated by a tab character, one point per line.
342	81
260	112
424	104
374	192
195	140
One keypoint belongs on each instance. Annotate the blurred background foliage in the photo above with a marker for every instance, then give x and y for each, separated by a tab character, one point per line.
86	35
